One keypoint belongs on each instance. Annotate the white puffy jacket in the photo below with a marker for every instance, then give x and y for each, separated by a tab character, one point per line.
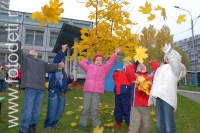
165	80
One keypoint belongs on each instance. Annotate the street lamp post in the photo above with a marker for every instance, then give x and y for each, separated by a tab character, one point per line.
195	69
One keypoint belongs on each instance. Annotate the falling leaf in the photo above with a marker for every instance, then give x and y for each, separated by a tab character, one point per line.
98	130
73	124
163	12
140	54
50	13
77	117
181	19
125	3
100	104
46	84
146	9
151	17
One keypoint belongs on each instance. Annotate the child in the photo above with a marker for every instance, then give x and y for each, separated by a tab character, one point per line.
122	96
94	87
164	90
58	86
140	111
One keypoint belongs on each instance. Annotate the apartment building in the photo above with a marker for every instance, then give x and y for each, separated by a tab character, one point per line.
4	4
186	46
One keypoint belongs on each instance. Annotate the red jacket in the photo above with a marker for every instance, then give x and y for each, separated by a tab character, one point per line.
138	98
122	80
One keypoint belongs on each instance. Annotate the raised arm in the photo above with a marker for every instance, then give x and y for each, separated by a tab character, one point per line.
109	64
174	59
130	72
19	52
84	64
53	67
58	58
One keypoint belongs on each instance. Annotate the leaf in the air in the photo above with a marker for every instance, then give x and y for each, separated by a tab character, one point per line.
50	13
146	9
181	19
151	17
140	54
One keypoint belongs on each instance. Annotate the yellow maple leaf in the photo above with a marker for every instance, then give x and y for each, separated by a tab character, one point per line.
154	119
163	12
125	3
151	17
145	9
181	18
106	106
140	79
77	117
109	125
73	124
143	84
140	54
98	130
46	84
152	112
50	13
69	112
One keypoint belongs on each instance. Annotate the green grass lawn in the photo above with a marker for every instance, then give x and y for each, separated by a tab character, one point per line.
189	88
187	115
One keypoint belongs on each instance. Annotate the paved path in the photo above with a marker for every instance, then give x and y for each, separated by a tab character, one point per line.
195	96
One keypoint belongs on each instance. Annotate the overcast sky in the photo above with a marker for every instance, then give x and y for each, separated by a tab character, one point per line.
77	10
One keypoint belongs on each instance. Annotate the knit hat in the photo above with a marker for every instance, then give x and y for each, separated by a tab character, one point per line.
97	55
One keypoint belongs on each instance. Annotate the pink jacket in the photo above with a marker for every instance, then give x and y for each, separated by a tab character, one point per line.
95	75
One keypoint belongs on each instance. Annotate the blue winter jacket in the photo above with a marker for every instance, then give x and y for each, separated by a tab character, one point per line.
55	79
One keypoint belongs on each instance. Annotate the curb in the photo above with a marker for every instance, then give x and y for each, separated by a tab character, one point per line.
192	92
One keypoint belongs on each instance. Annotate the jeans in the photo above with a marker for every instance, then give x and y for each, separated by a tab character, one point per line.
31	108
2	85
55	108
164	117
19	83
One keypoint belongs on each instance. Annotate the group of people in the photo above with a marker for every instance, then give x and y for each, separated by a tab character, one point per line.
131	104
34	86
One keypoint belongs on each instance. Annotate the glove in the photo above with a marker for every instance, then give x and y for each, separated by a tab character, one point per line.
168	49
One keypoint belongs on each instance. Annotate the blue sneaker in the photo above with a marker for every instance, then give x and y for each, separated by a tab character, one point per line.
85	127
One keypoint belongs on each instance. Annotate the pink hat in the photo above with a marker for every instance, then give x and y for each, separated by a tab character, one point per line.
97	55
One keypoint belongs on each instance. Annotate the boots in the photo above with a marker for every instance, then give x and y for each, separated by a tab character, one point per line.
127	129
31	129
118	125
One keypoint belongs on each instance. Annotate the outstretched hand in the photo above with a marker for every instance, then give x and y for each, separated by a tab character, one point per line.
117	50
168	48
64	47
61	65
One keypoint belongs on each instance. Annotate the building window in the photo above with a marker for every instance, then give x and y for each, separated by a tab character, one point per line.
3	34
2	58
53	38
34	37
